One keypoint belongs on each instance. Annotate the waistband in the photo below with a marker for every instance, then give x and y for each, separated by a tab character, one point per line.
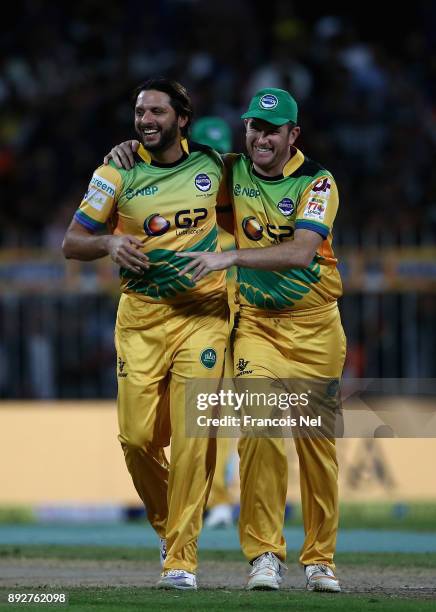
288	314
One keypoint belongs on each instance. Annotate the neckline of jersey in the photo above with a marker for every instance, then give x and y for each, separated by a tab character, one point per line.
145	156
170	165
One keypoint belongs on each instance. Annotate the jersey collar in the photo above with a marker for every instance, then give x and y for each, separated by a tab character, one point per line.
294	163
145	155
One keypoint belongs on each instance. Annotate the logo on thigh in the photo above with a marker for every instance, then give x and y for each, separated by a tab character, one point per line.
242	367
208	358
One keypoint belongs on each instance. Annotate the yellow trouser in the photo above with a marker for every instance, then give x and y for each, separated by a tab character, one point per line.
306	344
159	348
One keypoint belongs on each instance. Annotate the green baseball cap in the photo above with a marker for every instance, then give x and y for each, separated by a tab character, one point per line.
214	132
276	106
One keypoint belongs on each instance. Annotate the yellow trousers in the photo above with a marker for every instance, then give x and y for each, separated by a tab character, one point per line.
307	344
159	348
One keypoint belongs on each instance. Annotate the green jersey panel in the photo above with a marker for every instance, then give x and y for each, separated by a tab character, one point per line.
171	208
268	212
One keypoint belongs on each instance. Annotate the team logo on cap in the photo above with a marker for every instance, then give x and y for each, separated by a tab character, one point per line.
155	225
252	228
203	182
286	207
268	101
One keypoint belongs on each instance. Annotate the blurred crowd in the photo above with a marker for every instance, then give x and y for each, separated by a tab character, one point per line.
366	92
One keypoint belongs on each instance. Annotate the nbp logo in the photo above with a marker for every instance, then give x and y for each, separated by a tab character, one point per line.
208	358
250	192
202	182
268	101
156	225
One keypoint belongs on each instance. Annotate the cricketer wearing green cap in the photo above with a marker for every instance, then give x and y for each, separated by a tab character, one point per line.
276	106
283	205
214	132
289	327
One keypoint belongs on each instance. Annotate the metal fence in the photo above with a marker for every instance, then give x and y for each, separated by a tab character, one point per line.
61	345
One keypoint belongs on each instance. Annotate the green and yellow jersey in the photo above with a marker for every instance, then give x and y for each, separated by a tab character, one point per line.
172	206
267	211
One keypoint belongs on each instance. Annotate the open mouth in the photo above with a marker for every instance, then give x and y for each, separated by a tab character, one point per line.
150	131
262	150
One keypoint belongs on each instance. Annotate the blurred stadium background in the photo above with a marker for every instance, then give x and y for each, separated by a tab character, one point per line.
366	90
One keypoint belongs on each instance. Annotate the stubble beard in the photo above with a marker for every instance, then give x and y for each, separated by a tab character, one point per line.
167	138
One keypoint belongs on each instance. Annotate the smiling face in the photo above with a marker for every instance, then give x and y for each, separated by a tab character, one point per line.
156	121
269	145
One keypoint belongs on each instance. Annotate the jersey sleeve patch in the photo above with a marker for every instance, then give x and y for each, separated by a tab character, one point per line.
101	183
315	207
88	222
95	198
314	226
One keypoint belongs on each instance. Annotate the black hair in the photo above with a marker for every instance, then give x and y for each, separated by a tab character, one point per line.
179	97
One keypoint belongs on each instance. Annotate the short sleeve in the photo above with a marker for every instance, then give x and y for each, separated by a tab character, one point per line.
318	206
99	202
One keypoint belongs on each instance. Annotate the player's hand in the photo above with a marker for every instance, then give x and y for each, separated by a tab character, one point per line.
123	154
202	263
125	252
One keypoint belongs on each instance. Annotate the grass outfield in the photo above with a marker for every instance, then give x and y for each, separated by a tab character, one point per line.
139	599
131	598
103	553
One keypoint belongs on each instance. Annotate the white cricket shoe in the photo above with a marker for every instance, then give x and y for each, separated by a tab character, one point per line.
267	573
163	551
177	579
219	516
320	577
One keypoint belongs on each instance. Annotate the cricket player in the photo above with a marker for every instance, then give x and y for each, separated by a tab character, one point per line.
169	329
283	206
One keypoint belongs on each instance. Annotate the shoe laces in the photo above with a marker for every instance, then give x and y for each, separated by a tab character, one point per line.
175	572
320	567
268	561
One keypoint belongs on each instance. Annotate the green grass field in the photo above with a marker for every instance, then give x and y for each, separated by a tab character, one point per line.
138	598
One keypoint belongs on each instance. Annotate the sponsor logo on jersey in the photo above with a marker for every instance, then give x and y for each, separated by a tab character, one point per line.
268	101
322	187
103	185
208	358
249	192
286	207
150	190
203	182
156	225
252	228
95	198
315	209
